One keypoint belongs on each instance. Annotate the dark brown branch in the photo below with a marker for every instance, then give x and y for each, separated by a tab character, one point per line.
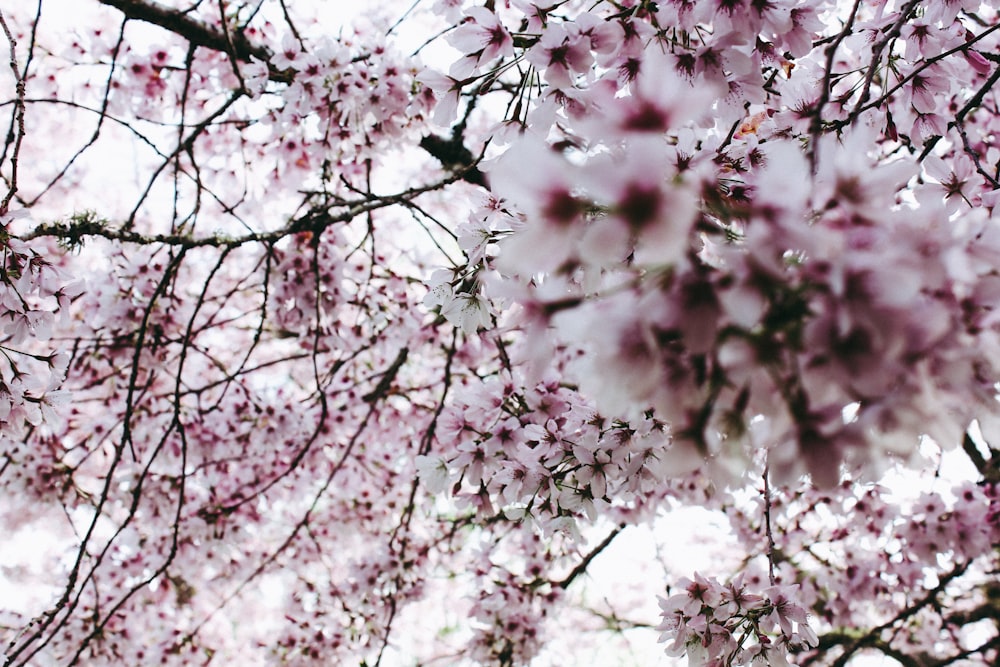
959	123
981	649
816	123
455	157
18	117
582	566
85	225
832	639
988	468
384	384
196	32
872	638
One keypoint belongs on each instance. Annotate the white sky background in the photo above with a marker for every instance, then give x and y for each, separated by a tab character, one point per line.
686	540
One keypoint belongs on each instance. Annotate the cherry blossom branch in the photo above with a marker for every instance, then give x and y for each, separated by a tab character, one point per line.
905	14
988	468
199	34
84	225
19	94
428	440
176	425
404	524
959	122
816	113
833	639
650	275
303	523
231	49
859	108
236	45
920	659
68	602
872	636
381	390
582	566
617	623
101	117
990	644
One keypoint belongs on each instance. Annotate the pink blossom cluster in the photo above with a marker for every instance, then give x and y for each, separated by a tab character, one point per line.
718	624
753	301
510	616
858	562
538	453
310	286
349	103
701	219
33	293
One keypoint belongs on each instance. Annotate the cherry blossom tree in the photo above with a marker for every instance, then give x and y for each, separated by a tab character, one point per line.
372	339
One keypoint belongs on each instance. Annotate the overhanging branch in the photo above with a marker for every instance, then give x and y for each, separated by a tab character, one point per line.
197	33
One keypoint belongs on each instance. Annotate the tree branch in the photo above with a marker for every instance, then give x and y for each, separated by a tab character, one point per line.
86	224
18	116
582	566
872	638
384	384
190	29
